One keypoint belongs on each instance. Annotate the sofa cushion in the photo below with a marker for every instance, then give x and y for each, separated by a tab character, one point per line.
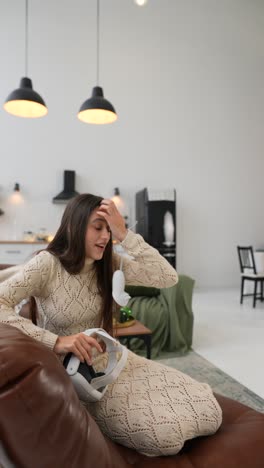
147	291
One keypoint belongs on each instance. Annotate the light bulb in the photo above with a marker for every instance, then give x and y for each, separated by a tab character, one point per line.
140	2
119	203
16	198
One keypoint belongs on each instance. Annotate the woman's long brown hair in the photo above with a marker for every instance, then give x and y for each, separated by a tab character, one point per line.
68	246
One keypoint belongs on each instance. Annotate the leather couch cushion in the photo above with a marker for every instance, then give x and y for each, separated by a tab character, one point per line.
42	421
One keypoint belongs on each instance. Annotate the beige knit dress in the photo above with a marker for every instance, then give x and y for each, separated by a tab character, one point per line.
150	407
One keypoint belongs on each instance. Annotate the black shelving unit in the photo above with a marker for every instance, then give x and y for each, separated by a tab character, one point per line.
150	221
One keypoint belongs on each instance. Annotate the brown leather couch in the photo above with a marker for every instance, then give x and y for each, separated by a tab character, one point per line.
43	424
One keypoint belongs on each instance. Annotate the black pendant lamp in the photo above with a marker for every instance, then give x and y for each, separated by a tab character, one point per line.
24	101
97	109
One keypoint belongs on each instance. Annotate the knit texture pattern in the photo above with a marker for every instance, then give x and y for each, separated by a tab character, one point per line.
154	408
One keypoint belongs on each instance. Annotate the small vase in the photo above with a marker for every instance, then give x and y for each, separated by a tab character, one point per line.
168	229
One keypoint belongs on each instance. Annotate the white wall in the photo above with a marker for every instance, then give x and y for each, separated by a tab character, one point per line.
186	78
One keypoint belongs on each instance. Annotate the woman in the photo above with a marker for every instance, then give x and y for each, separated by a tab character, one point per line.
150	407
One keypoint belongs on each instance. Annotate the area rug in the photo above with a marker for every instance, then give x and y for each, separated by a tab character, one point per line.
202	370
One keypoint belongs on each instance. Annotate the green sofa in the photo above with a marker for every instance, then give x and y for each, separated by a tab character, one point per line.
168	313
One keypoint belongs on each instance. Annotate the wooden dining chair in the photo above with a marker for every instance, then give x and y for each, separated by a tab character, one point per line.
249	273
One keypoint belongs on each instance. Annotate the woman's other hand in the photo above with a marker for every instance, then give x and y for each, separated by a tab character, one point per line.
80	345
114	219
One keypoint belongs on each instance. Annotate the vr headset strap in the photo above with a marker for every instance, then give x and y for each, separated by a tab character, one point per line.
112	347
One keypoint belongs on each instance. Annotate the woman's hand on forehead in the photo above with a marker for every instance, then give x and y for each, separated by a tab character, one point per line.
114	219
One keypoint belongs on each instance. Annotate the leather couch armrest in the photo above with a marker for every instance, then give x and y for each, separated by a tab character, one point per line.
42	422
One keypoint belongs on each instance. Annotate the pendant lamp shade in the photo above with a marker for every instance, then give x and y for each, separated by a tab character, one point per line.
25	102
96	109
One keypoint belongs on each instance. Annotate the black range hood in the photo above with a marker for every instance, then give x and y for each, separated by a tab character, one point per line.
68	191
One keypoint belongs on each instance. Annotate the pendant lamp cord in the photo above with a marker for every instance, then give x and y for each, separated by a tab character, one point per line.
98	41
26	39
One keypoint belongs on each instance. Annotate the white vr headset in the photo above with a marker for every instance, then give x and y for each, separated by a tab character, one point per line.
119	294
118	289
89	384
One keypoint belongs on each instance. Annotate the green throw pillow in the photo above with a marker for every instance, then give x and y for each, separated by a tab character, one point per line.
142	291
